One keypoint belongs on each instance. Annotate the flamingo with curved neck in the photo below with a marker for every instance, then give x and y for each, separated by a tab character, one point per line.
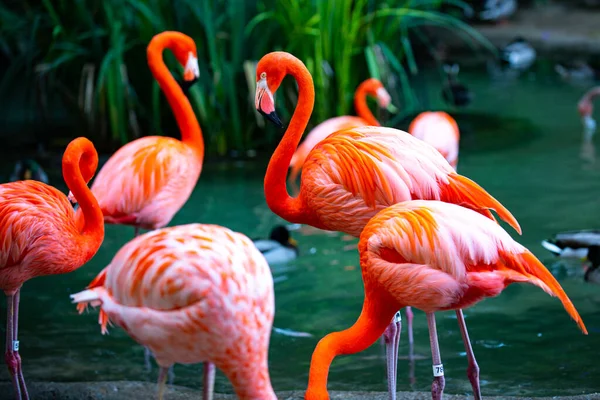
434	256
353	174
372	87
147	181
40	237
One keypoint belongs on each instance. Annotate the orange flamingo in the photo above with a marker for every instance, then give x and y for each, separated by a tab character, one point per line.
351	175
439	130
193	293
371	87
586	110
433	256
147	181
40	237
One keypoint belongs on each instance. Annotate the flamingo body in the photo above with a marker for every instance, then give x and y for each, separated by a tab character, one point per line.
434	256
147	181
353	174
365	117
193	293
439	130
37	227
437	256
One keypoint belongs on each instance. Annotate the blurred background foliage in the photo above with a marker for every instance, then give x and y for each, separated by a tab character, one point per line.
78	67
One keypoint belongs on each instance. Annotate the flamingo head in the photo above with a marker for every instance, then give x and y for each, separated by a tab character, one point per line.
270	71
185	52
374	87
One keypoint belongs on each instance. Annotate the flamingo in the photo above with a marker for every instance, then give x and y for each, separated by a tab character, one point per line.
193	293
439	130
147	181
352	174
40	237
372	87
434	256
586	110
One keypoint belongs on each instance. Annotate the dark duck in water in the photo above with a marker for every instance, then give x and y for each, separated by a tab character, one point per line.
584	245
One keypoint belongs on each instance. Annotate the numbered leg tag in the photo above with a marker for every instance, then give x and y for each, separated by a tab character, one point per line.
438	370
15	345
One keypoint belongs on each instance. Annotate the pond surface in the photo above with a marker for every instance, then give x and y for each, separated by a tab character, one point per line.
527	157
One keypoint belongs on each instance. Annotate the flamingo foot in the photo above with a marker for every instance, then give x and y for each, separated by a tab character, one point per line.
209	381
12	364
391	337
437	387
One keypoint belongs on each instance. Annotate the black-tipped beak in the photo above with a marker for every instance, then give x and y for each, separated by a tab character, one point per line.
273	117
186	85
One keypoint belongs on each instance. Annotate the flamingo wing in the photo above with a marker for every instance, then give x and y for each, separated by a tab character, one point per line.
145	180
384	166
463	254
317	134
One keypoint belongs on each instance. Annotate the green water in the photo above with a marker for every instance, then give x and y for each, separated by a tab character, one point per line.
524	341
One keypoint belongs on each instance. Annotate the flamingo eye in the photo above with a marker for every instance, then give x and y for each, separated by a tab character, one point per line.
263	75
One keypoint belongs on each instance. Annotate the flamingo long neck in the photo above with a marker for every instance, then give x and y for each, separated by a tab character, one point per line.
375	317
92	229
360	103
189	127
276	194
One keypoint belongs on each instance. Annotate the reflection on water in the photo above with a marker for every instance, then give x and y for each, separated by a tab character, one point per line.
524	341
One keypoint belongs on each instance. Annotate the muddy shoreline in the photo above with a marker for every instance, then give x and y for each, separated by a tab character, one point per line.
125	390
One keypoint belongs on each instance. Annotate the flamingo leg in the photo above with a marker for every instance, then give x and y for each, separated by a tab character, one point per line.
437	387
391	337
409	323
473	368
147	355
12	357
209	381
162	380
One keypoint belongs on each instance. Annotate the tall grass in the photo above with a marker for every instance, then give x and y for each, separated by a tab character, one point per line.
92	53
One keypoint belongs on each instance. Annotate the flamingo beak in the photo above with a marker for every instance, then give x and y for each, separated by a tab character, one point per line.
385	100
191	73
264	102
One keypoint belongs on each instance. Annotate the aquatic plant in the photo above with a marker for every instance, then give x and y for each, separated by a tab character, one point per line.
89	58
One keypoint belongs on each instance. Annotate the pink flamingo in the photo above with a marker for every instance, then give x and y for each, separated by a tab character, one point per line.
586	110
439	130
147	181
40	237
371	87
193	293
433	256
351	175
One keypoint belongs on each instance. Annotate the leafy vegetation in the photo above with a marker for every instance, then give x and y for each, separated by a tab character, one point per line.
89	57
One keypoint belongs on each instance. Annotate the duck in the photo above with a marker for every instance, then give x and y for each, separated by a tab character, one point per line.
28	169
518	54
454	92
497	10
583	245
577	70
280	248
